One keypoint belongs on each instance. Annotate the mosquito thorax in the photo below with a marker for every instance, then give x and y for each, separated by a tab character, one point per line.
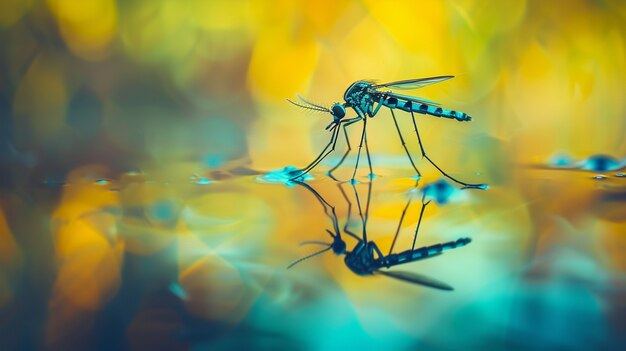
338	111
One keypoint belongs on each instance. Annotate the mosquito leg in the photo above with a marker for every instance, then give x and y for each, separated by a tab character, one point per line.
322	155
419	221
378	106
374	248
343	158
466	185
395	121
367	149
306	169
345	133
358	155
369	160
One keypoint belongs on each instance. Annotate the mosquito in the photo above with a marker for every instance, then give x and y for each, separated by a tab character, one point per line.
366	258
366	98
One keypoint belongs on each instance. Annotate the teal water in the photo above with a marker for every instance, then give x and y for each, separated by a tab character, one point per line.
203	265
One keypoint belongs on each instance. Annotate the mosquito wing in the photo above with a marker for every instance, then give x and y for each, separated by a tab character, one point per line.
412	98
413	83
416	279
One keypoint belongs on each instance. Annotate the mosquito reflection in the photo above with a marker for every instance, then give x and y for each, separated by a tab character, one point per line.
366	258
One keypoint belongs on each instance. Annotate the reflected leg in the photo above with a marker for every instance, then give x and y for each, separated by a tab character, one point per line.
363	218
348	217
395	237
329	209
419	221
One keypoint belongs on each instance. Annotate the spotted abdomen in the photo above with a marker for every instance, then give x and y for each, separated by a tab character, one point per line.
426	109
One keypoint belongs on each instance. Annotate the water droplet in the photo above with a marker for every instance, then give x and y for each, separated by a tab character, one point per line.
203	181
599	177
620	174
353	181
560	160
417	177
371	176
102	181
601	163
441	191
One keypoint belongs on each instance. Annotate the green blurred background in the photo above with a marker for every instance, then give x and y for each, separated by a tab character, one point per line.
115	116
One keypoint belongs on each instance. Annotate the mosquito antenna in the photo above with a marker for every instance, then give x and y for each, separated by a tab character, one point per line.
313	242
309	256
312	104
313	108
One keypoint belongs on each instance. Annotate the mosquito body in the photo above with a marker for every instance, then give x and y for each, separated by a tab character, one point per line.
362	96
366	258
366	99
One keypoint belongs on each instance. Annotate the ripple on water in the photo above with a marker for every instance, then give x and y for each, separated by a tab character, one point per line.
203	181
284	176
561	160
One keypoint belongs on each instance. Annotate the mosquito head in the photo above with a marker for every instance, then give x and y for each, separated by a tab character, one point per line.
338	245
338	111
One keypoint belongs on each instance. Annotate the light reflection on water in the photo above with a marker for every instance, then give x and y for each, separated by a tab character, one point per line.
208	263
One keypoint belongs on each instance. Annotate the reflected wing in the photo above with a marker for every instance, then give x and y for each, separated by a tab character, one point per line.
413	83
416	279
413	99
